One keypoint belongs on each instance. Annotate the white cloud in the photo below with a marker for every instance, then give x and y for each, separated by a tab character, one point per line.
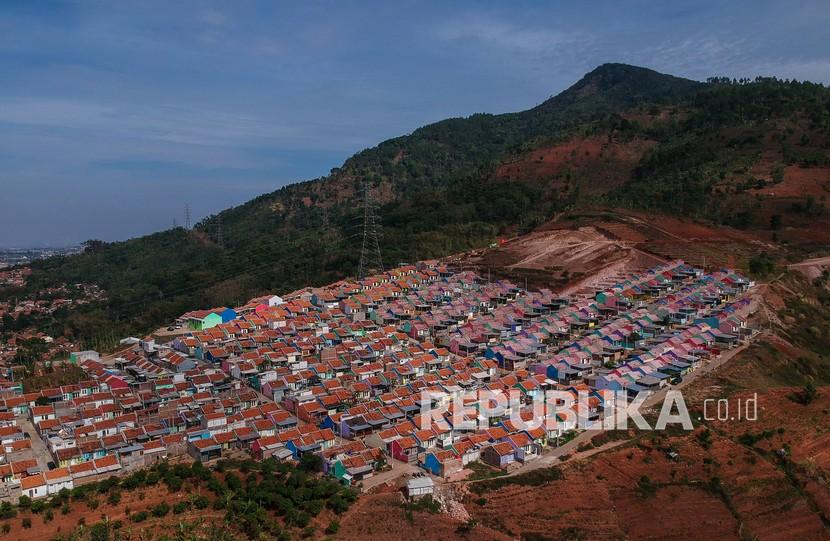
212	17
698	56
508	37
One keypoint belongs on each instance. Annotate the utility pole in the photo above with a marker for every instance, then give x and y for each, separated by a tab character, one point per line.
370	257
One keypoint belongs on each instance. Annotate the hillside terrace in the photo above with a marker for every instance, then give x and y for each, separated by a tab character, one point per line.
339	371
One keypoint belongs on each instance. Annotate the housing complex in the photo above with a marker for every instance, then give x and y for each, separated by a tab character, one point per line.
339	371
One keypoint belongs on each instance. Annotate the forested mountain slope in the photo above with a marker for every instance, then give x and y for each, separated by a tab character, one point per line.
752	154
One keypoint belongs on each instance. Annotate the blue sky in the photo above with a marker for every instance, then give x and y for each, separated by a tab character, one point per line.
114	115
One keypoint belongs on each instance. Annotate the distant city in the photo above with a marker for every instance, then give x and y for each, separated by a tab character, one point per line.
10	257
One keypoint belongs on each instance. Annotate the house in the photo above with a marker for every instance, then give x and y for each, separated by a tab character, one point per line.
203	319
34	486
418	487
442	463
58	479
499	455
351	470
204	449
522	446
106	464
42	413
405	449
269	446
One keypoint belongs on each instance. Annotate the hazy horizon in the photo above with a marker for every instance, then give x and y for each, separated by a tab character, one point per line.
114	117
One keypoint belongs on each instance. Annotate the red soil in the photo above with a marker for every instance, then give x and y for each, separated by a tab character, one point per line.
136	501
800	182
607	163
379	517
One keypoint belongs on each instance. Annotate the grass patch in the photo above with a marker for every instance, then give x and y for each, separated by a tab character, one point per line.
483	471
533	478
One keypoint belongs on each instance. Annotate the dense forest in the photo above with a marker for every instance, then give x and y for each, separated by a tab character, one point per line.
437	193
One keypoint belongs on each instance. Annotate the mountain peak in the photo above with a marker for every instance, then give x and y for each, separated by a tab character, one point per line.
619	84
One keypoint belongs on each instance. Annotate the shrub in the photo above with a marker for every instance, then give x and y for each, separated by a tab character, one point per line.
806	396
200	502
99	532
27	523
6	527
7	510
180	507
333	526
141	516
114	498
646	487
199	471
161	509
24	502
704	438
173	482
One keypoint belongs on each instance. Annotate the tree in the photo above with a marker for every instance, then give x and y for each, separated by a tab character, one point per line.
761	264
7	510
311	462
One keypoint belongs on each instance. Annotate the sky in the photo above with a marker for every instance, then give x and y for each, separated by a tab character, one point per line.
115	115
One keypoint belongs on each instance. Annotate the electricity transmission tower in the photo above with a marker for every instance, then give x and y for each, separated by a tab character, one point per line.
370	257
187	216
219	239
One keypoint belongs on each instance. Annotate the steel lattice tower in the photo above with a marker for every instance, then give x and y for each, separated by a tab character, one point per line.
370	257
187	216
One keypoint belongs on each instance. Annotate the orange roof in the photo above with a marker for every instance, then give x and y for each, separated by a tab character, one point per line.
503	449
57	474
33	481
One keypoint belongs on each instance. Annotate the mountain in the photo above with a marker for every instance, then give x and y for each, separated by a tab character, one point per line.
751	154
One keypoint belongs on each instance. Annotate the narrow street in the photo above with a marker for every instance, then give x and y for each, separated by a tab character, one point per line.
39	449
399	469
